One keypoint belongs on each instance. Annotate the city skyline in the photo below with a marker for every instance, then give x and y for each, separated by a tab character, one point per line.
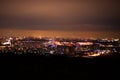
60	38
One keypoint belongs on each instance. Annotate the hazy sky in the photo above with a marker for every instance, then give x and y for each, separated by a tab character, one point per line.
60	14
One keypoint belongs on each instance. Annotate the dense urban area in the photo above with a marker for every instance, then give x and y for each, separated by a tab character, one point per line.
71	47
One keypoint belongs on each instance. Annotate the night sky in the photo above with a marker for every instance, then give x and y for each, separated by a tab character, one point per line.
60	14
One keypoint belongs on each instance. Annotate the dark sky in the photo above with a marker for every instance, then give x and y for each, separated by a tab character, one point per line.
60	14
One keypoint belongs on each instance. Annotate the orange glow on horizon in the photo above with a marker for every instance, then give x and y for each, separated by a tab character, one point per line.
48	33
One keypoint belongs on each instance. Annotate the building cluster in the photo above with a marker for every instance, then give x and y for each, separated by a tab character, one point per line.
59	46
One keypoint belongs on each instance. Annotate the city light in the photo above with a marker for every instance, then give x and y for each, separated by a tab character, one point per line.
87	48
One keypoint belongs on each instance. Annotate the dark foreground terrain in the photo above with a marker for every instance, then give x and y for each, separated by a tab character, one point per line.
108	66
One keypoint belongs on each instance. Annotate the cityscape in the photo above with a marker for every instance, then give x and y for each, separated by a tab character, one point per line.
60	38
69	47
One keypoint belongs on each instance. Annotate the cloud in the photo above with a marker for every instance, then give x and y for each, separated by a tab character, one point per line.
47	13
